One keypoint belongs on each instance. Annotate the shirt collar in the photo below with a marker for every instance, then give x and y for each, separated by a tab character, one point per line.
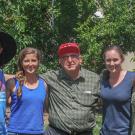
63	75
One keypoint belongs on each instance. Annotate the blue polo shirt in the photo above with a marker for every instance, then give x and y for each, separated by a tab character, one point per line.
117	106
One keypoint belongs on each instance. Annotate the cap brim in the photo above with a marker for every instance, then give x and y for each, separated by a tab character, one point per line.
68	48
9	48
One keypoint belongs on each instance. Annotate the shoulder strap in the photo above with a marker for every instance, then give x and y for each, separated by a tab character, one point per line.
42	81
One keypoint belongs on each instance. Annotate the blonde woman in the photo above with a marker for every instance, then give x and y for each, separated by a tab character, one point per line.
26	96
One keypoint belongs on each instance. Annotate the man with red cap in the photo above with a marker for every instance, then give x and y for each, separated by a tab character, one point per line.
73	94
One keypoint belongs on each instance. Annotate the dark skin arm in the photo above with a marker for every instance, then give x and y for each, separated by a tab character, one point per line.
10	84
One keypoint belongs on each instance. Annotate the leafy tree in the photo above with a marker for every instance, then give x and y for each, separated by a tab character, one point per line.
29	23
45	24
117	27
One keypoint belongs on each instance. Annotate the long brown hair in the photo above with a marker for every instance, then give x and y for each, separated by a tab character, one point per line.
20	74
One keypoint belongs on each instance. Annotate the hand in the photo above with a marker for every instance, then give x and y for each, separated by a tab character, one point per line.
20	77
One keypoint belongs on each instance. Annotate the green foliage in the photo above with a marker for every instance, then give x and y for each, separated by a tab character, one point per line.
45	24
29	23
98	125
117	27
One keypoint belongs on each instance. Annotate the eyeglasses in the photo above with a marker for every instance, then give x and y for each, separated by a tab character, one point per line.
73	56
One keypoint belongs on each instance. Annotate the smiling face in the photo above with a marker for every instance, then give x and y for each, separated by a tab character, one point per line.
29	59
70	62
30	63
113	60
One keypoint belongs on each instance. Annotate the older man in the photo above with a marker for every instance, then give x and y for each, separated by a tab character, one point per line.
73	94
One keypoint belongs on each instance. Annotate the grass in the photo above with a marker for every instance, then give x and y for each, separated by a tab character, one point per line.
98	125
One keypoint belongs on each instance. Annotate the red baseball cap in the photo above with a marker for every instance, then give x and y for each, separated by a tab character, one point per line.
68	48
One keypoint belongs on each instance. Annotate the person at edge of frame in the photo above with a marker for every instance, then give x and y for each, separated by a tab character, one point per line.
133	111
7	52
116	92
73	94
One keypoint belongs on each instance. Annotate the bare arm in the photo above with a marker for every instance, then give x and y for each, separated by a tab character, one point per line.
10	85
8	76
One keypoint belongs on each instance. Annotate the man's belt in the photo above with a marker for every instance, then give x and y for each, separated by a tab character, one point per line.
82	132
73	132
